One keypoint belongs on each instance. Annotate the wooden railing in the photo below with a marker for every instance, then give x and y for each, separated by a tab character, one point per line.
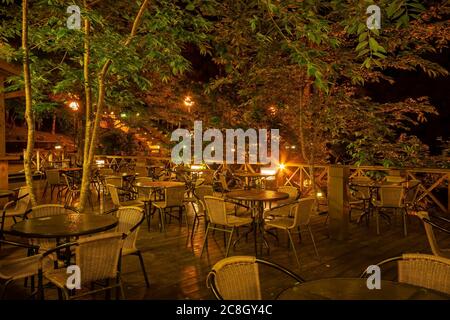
315	177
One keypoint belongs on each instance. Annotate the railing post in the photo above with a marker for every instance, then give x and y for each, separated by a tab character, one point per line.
338	202
448	193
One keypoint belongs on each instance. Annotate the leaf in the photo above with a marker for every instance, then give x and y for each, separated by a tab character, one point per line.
361	45
373	44
362	36
190	6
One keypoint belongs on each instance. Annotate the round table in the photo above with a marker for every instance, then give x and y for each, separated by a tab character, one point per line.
64	226
356	289
257	199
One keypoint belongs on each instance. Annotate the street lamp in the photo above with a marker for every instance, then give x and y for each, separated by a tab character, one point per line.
188	102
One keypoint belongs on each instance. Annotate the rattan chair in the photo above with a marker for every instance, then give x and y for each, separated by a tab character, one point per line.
392	198
429	225
16	208
21	268
422	270
219	219
130	220
359	196
98	259
237	278
54	181
173	198
293	196
199	206
113	191
301	212
47	210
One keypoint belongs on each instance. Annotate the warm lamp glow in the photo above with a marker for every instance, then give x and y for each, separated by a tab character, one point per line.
281	166
188	102
74	105
319	194
58	147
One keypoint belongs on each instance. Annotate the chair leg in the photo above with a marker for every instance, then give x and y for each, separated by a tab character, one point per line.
377	219
5	287
161	220
293	247
229	242
205	240
405	230
141	261
313	241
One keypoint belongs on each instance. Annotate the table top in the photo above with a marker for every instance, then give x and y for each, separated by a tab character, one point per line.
356	289
257	195
158	184
253	174
70	169
6	193
64	225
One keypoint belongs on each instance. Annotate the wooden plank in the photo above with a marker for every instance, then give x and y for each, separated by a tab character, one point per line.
14	94
337	202
7	69
2	118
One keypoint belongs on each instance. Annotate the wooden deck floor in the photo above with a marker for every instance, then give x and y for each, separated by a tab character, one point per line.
176	270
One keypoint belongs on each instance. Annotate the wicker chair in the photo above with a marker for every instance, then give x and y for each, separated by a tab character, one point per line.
428	225
301	212
16	208
199	206
391	197
219	219
130	220
422	270
54	181
237	278
47	210
173	198
359	196
113	191
21	268
98	259
293	196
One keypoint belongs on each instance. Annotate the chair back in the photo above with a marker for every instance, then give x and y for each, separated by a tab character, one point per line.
130	219
24	203
216	210
291	191
237	278
392	196
106	171
114	194
360	192
208	176
426	271
223	183
302	211
53	176
423	215
174	196
141	170
201	192
47	210
98	256
114	180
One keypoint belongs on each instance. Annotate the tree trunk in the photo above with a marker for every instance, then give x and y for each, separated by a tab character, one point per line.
87	91
29	116
88	157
